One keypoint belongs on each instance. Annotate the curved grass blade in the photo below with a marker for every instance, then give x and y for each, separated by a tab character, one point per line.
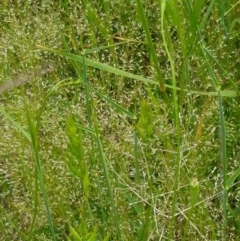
38	168
113	70
31	136
16	125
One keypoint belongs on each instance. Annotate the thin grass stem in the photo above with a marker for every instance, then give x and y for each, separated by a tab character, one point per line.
169	50
150	44
38	169
223	155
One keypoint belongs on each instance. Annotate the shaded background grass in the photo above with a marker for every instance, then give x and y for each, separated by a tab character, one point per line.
140	155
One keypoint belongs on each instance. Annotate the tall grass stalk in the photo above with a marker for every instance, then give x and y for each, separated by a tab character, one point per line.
87	92
32	137
216	83
103	25
223	7
223	158
174	15
38	168
169	50
109	186
93	123
150	44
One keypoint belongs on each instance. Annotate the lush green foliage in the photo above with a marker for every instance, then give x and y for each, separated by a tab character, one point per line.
125	126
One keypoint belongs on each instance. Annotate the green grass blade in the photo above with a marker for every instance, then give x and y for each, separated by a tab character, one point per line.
16	125
212	57
101	66
38	168
103	25
74	234
206	16
31	136
152	50
87	93
97	49
176	14
224	93
28	137
88	130
223	7
110	69
136	158
230	181
108	182
195	10
5	228
214	79
169	50
223	153
114	104
93	124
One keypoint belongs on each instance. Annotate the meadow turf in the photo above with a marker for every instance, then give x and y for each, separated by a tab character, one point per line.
119	120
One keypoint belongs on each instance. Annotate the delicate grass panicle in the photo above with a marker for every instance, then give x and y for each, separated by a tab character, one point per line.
133	134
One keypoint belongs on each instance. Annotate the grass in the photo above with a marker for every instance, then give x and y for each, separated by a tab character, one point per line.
119	120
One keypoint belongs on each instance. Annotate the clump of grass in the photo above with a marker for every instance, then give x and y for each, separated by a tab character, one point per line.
124	134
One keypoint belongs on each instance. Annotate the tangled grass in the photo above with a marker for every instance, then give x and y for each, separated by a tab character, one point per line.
133	134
